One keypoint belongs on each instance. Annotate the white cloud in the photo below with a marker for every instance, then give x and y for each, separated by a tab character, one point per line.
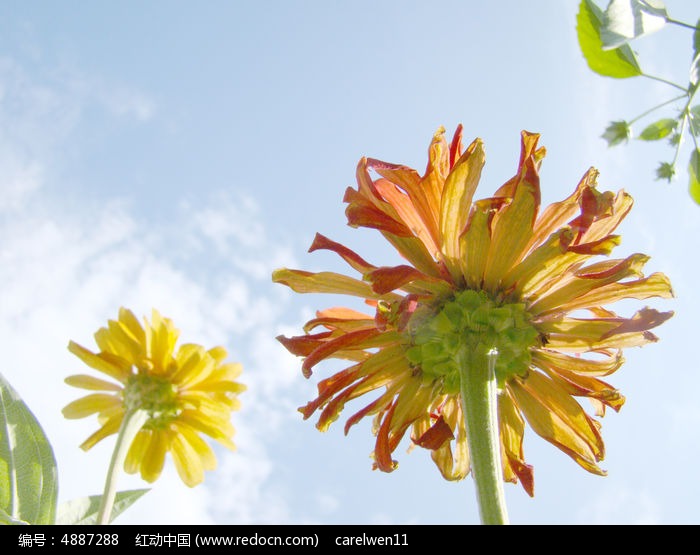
127	102
63	278
620	506
65	271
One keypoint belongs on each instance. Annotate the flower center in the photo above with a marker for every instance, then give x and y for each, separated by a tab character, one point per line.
461	332
155	395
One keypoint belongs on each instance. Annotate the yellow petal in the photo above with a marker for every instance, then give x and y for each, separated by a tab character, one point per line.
112	366
131	323
91	404
154	457
194	365
218	353
188	461
111	426
124	343
89	382
214	426
137	451
162	340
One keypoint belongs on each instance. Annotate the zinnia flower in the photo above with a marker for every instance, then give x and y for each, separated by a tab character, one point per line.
186	392
496	273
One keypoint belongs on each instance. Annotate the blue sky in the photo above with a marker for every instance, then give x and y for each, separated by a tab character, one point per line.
173	154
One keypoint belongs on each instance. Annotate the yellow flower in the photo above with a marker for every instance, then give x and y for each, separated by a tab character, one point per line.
185	392
495	273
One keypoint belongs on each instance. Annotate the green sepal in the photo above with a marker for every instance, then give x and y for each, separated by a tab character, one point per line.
666	171
617	132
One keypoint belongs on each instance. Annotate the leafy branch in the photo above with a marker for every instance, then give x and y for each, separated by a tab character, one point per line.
604	38
29	477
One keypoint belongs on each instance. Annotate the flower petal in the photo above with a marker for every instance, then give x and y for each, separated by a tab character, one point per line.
154	458
191	456
327	282
112	366
558	418
512	430
89	382
460	185
110	427
91	404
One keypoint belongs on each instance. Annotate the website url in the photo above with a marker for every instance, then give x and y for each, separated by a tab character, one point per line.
256	540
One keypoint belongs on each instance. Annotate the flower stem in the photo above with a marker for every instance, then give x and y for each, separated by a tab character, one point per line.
479	404
131	424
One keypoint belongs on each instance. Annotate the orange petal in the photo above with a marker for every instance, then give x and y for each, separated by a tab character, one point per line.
326	282
511	229
588	279
456	201
356	339
556	215
512	430
321	242
642	320
407	212
436	435
656	285
362	213
555	416
475	241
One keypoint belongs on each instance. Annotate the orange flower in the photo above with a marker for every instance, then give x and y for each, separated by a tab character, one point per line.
495	273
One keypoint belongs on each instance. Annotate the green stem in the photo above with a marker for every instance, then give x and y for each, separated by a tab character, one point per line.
650	110
685	119
681	24
666	81
479	403
131	424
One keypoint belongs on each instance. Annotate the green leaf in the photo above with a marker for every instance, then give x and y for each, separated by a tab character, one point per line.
658	129
617	132
694	173
694	121
619	63
625	20
86	509
28	475
6	519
